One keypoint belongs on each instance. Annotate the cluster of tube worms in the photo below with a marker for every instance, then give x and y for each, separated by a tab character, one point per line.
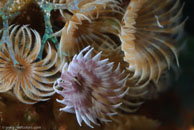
101	61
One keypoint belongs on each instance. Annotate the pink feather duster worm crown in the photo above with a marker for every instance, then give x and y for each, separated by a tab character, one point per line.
90	87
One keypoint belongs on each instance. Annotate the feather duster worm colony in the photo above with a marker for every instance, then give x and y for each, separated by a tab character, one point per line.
141	40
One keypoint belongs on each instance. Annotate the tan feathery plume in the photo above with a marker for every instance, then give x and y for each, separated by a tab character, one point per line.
149	33
30	80
91	27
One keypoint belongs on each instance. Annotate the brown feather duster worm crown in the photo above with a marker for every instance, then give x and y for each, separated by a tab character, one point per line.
31	80
150	30
91	28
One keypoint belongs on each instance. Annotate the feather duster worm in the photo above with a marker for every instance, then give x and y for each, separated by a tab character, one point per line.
30	80
90	88
149	35
90	28
150	30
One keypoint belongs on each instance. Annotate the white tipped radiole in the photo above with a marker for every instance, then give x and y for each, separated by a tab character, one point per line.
91	88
